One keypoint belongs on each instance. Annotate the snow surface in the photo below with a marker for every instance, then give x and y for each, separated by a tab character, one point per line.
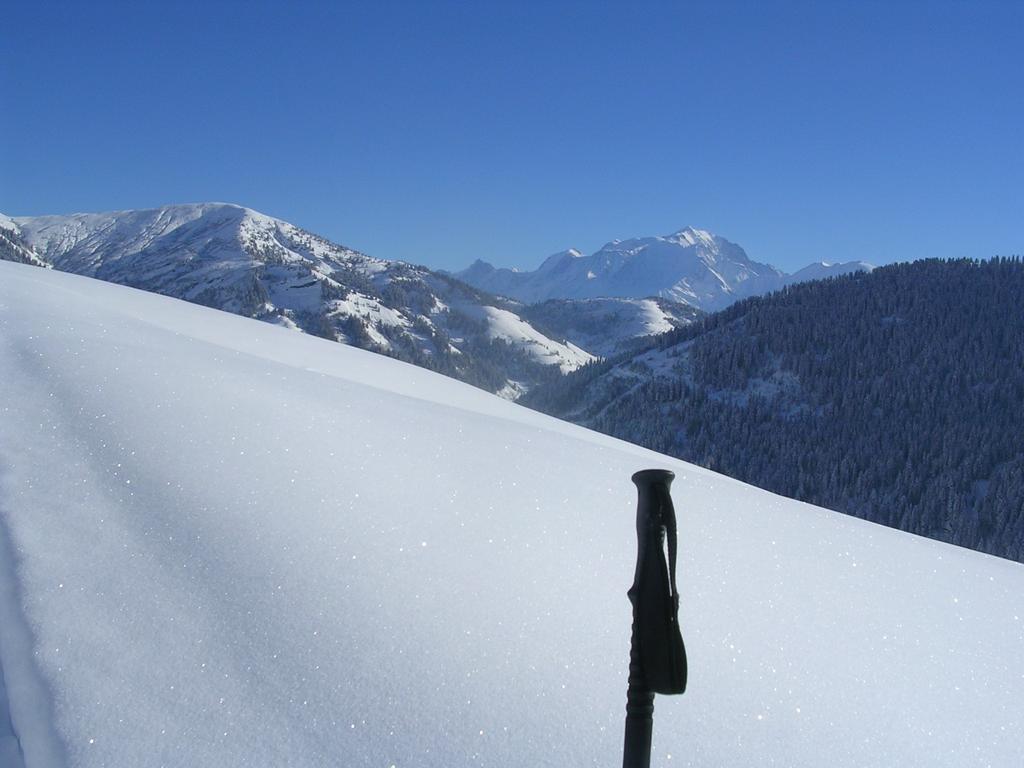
236	545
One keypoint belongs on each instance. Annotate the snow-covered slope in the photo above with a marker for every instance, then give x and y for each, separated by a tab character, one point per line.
608	326
13	246
225	544
242	261
691	266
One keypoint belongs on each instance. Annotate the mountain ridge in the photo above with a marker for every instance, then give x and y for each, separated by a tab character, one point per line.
240	260
690	265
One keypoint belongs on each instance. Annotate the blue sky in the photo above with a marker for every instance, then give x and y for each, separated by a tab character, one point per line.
443	132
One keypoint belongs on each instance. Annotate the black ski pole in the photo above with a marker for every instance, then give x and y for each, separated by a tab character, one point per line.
657	658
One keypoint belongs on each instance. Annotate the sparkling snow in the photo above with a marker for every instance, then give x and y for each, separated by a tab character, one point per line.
235	545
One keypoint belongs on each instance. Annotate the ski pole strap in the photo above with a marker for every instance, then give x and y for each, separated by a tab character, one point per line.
668	520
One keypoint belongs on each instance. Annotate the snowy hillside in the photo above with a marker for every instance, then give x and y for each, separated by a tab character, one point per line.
692	266
13	246
608	326
224	544
245	262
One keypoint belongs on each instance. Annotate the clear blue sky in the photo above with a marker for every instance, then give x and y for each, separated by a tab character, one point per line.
442	132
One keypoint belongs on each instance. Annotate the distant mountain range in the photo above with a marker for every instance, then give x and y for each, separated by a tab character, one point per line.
691	266
546	323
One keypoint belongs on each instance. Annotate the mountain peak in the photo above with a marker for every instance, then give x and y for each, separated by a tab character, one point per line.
693	236
692	265
557	259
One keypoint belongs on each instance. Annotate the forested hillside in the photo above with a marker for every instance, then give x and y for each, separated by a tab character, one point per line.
896	396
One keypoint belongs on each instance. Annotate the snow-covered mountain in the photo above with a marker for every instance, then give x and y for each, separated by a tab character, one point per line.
242	261
692	266
222	544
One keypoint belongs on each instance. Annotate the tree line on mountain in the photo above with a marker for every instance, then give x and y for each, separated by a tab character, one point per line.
896	396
